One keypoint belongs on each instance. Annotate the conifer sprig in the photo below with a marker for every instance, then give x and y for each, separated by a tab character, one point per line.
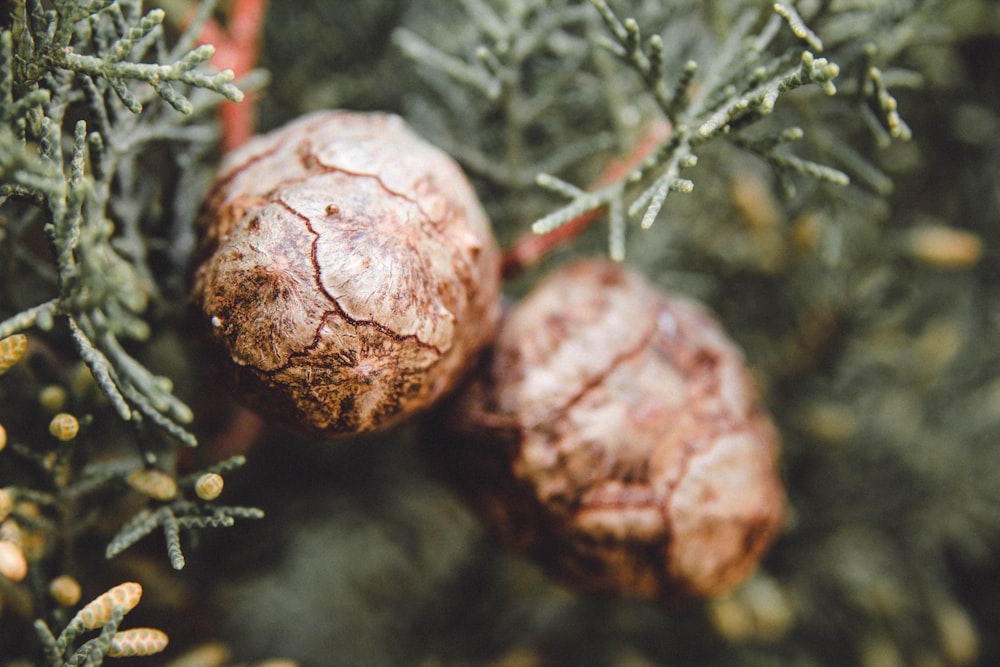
172	518
176	512
110	61
105	613
520	46
741	87
523	72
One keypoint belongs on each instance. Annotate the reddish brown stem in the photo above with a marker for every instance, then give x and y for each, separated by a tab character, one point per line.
236	48
530	248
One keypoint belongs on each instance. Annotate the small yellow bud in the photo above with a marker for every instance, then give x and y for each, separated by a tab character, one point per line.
808	231
210	654
829	422
64	426
957	634
53	397
3	437
154	483
732	618
209	486
12	349
10	532
65	590
96	613
29	538
754	202
137	641
13	565
943	247
881	652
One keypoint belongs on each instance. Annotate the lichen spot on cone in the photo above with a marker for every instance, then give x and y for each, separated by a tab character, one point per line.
347	270
614	435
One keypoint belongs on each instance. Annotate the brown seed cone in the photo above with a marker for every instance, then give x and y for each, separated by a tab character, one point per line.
614	435
348	270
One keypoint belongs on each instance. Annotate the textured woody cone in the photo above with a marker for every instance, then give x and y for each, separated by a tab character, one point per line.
348	270
615	436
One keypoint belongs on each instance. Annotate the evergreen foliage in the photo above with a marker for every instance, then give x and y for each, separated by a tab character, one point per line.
89	55
180	513
89	92
106	613
841	189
